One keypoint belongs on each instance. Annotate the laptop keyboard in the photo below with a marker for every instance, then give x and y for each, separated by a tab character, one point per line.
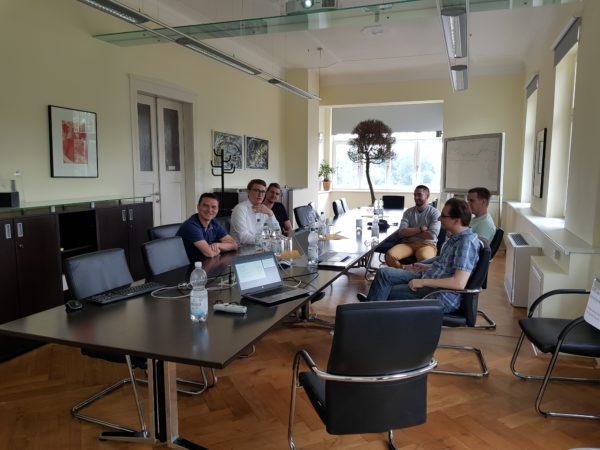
124	293
272	292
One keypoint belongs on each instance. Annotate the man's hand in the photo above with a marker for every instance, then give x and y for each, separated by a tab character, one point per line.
416	267
262	208
215	248
416	283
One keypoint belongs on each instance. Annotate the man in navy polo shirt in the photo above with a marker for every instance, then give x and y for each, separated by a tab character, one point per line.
203	237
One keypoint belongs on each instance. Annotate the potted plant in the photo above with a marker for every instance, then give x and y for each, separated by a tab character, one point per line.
325	170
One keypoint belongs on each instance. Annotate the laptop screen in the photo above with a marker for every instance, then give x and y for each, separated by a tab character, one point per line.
257	272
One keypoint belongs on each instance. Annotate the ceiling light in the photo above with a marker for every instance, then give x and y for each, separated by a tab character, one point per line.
217	55
114	9
293	89
459	75
307	4
454	23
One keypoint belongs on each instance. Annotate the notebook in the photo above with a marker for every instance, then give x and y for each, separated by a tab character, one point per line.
259	279
327	260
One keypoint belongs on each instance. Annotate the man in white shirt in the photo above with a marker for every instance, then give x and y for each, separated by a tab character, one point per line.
248	217
482	224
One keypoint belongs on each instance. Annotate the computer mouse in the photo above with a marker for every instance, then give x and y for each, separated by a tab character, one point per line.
73	305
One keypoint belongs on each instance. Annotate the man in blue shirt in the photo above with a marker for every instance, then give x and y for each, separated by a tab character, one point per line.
203	237
451	270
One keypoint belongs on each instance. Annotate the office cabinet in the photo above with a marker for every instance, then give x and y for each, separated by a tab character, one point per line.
30	272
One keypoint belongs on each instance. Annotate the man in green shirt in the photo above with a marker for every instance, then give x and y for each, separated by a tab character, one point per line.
482	224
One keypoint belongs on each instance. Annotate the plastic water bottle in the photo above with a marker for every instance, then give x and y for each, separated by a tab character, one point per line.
375	227
313	248
199	294
266	237
322	225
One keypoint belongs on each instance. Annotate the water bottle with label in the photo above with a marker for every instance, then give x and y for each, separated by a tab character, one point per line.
199	294
375	227
266	237
313	247
258	238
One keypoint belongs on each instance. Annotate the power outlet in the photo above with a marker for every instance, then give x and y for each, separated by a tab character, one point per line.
557	255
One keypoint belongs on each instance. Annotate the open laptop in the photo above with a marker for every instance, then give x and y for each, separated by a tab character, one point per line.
259	279
328	260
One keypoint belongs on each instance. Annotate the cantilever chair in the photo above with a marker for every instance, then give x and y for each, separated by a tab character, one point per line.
376	377
163	231
466	315
557	336
164	255
494	246
393	201
90	274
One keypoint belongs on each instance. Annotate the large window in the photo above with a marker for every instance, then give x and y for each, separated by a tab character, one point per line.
418	161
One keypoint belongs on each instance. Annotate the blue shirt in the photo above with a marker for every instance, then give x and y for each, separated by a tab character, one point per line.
192	231
460	252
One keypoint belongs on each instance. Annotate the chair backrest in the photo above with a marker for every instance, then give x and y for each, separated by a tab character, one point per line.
163	231
303	215
225	222
496	241
393	201
441	238
92	273
381	338
162	255
466	315
345	204
338	208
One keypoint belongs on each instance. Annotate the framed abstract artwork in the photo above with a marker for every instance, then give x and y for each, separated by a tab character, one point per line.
538	163
230	146
257	153
73	143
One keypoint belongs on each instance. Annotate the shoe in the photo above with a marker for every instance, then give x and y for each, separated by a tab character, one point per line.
361	297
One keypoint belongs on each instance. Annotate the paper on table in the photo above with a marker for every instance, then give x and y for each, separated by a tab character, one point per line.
334	237
592	311
293	254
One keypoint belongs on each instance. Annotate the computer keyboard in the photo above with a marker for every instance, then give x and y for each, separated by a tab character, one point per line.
272	292
124	293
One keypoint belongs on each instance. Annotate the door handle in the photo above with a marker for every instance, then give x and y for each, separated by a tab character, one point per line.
131	215
7	231
20	229
123	215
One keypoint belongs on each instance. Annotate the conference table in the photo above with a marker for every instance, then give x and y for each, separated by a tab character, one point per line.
160	330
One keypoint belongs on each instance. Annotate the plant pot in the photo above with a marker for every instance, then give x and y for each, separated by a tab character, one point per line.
326	185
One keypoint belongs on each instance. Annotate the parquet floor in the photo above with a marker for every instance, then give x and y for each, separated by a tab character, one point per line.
249	406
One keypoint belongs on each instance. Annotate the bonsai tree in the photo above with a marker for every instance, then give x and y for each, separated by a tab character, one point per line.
324	171
372	145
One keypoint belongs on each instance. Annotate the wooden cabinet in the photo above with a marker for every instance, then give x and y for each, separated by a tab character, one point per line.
30	272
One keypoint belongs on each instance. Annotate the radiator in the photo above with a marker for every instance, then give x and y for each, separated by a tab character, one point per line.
519	248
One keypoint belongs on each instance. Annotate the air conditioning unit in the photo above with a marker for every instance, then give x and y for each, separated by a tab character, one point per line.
304	6
519	248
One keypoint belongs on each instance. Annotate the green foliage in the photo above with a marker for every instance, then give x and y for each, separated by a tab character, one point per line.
325	170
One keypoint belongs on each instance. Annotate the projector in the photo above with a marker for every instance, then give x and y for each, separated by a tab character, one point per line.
304	6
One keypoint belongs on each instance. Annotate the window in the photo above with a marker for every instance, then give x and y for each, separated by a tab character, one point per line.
418	161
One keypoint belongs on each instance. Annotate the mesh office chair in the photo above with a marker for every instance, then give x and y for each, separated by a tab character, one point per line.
90	274
338	208
376	378
557	336
164	255
163	231
393	201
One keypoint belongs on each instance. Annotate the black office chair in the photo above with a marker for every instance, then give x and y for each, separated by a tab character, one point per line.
164	255
90	274
393	201
557	336
304	216
494	246
345	204
338	208
376	378
163	231
466	315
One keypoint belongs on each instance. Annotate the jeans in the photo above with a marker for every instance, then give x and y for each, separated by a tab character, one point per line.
392	284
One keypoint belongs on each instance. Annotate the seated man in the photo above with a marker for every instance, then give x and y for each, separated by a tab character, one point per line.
482	224
450	270
272	201
418	231
248	217
203	237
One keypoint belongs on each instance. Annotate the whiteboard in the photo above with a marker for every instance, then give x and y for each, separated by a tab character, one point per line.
473	161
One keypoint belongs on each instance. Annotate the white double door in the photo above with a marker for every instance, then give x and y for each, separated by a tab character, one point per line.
159	162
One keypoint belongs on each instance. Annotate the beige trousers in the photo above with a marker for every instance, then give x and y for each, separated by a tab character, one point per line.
421	251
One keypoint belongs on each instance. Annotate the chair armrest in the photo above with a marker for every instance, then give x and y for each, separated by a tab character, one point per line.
544	296
456	291
377	378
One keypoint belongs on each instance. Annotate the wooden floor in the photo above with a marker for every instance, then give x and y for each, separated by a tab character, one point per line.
249	406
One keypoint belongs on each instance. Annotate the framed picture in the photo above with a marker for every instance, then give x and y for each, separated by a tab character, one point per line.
229	146
257	153
538	163
73	143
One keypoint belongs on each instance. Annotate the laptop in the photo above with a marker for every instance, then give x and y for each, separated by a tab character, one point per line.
328	260
259	279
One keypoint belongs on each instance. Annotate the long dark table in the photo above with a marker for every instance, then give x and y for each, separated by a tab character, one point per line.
161	331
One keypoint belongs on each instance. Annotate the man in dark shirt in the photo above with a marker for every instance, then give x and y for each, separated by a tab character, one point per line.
272	201
203	237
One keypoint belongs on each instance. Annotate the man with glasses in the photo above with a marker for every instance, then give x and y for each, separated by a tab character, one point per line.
418	231
450	270
272	200
249	217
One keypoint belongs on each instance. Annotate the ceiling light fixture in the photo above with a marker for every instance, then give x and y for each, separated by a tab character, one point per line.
117	10
454	23
293	89
217	55
459	76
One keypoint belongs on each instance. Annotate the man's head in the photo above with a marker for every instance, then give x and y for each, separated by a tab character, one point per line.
479	199
273	193
456	215
421	195
256	191
208	207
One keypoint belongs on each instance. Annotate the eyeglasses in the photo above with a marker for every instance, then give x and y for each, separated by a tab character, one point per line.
258	191
444	215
